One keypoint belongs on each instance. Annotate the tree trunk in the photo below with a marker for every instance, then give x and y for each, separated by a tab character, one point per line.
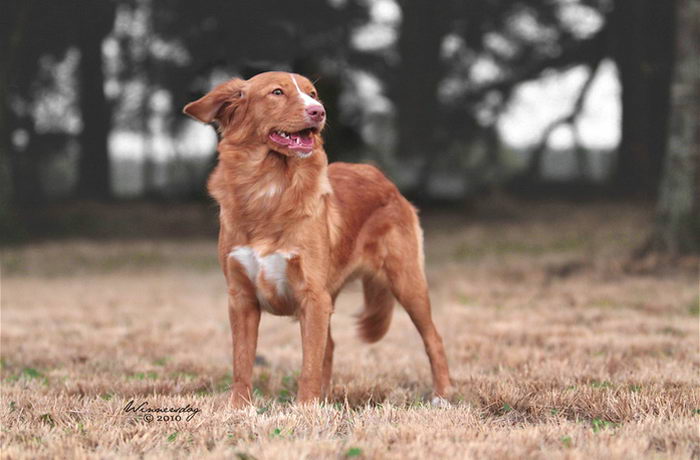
643	38
97	19
11	43
677	229
415	90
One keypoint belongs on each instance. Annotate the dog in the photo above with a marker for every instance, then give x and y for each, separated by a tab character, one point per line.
294	230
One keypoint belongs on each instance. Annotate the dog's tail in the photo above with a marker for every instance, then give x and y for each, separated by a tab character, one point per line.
374	321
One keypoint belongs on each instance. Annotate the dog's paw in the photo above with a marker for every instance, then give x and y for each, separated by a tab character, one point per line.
437	401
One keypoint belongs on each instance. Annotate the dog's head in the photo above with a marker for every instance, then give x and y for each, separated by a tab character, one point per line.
278	109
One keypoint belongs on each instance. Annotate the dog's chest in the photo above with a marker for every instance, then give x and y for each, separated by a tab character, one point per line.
268	275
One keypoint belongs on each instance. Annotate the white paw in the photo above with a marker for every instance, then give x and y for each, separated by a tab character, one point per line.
440	402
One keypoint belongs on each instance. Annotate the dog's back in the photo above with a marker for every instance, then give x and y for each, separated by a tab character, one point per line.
380	231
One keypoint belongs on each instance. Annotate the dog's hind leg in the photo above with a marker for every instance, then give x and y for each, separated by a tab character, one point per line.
404	269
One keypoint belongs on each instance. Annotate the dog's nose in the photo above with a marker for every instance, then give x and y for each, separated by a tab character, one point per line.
316	112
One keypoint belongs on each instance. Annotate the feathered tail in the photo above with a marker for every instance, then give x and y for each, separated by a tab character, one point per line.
374	321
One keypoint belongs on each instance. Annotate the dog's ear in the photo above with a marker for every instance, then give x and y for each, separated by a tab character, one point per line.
218	103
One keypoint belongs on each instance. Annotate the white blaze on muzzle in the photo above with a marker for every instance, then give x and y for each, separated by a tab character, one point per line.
308	100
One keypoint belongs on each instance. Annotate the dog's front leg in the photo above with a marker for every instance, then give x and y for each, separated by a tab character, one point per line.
244	315
314	320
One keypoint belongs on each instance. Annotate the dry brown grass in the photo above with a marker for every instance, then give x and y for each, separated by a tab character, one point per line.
557	352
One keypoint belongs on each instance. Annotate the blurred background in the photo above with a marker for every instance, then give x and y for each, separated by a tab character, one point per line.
472	108
552	147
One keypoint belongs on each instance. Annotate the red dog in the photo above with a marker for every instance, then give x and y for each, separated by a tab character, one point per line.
295	230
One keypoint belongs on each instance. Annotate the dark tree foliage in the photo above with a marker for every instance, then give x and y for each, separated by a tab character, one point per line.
428	124
36	29
642	46
30	30
96	20
415	86
435	129
237	36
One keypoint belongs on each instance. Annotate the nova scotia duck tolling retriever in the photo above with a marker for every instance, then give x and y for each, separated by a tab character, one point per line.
294	230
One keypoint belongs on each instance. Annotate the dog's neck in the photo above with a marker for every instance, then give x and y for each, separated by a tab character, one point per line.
267	191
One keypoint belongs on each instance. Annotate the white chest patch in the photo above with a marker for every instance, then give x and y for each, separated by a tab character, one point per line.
272	267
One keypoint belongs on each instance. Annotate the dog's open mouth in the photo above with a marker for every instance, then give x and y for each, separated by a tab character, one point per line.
301	141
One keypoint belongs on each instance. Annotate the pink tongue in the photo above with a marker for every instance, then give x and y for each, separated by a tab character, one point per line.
301	141
294	141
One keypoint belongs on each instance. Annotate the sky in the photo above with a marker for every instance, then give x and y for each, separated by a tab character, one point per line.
537	103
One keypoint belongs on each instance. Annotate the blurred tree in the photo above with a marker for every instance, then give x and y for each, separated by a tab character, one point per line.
95	19
140	62
267	33
35	30
433	73
677	229
643	37
31	29
444	101
415	86
636	35
520	40
12	34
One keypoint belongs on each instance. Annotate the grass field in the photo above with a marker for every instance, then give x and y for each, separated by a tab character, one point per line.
557	350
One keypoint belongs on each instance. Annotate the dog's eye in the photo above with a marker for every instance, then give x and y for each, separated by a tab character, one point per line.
277	92
314	95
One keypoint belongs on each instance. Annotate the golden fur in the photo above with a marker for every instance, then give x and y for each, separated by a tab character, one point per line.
295	230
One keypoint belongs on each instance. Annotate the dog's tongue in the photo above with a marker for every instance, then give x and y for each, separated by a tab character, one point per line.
300	140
